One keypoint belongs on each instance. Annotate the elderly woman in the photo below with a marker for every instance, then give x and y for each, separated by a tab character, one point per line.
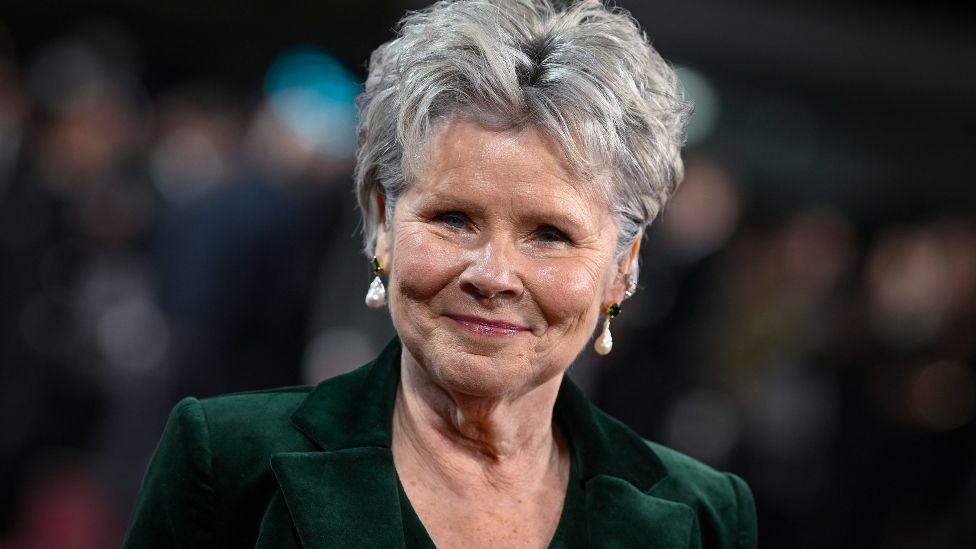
511	154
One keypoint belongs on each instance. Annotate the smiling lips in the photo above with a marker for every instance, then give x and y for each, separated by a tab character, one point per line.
486	327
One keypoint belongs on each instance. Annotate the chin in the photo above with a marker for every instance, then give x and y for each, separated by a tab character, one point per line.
475	368
463	371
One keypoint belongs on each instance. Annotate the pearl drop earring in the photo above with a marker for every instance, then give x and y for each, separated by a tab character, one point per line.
604	343
376	295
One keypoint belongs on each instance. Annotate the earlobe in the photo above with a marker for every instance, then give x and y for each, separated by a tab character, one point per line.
381	246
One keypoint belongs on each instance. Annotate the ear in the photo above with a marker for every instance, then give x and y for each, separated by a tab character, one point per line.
617	289
381	247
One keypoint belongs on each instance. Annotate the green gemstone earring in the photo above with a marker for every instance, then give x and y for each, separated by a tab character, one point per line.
604	343
376	295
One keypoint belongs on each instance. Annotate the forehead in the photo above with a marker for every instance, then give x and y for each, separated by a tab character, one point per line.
525	163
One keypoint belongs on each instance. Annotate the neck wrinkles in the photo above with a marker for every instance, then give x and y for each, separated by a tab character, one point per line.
501	441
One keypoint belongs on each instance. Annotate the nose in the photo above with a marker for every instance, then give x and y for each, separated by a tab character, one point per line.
491	273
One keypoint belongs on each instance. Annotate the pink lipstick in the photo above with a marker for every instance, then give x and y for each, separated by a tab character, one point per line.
486	327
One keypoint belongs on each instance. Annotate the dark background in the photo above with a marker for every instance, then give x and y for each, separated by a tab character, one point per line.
807	303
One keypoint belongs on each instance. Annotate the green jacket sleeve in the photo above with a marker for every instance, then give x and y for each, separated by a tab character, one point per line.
176	505
746	527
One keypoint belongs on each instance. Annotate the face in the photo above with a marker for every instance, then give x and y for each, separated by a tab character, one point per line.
499	261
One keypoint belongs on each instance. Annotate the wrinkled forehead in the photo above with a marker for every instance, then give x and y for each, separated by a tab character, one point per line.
466	142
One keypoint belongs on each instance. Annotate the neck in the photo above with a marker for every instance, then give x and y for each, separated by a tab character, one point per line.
506	441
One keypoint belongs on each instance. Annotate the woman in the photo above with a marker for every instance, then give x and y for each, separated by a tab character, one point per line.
510	156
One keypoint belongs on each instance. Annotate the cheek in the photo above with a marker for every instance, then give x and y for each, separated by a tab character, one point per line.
422	265
569	291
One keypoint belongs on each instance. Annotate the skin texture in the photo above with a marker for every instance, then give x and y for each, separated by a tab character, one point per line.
499	262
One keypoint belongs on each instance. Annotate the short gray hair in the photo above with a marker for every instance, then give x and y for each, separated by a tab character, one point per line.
584	74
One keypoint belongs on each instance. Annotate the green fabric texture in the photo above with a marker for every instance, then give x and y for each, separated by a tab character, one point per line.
312	467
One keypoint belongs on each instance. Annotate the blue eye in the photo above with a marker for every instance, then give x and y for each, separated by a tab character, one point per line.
455	220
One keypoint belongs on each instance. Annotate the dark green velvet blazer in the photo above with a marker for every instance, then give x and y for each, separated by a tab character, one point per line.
312	467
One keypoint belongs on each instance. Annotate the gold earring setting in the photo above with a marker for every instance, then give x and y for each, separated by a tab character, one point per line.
376	295
604	343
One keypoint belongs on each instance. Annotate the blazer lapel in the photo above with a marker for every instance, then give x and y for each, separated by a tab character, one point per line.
346	498
620	473
346	494
620	515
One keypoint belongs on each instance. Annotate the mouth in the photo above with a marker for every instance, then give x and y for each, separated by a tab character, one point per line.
488	327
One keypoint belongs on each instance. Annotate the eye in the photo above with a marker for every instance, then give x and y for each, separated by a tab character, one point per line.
455	220
551	235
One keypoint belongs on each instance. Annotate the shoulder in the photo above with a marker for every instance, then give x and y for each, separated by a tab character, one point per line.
693	479
211	467
722	501
250	418
244	429
249	408
236	426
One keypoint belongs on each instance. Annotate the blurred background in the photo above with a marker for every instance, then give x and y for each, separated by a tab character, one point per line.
176	218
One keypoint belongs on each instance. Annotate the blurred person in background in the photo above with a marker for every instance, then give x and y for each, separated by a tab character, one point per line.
74	220
123	224
511	155
13	113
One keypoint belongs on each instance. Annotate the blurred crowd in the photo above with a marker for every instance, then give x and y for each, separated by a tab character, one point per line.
200	240
829	361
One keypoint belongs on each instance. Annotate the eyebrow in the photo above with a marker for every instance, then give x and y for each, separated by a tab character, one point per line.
455	200
559	219
547	215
